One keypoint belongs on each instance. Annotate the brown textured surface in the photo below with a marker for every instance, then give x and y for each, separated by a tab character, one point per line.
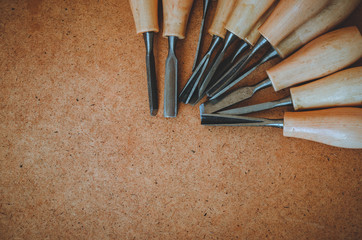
82	159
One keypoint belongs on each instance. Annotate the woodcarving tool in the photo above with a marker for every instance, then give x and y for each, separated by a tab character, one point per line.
244	16
287	16
325	55
334	13
176	13
217	30
339	127
145	14
343	88
206	4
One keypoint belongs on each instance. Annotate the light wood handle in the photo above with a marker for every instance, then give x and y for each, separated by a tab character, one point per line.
254	34
245	14
327	54
334	13
175	17
145	15
288	16
339	127
343	88
223	11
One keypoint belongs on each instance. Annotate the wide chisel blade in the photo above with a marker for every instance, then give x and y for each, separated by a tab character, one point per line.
234	97
229	100
170	101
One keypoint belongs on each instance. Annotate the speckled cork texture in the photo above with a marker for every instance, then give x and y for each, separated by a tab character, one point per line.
81	158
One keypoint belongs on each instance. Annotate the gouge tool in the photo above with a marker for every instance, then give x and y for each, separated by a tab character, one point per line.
206	4
287	16
343	88
325	55
333	14
145	14
217	30
244	16
176	14
339	127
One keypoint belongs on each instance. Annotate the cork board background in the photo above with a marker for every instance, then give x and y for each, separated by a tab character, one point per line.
81	158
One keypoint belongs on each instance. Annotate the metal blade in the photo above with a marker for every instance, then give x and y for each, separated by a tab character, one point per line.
229	39
232	120
198	99
193	99
258	107
226	85
234	97
229	74
151	73
170	101
191	85
226	64
229	100
262	42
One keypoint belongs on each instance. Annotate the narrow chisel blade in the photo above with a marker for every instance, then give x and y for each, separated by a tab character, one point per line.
258	107
229	100
151	73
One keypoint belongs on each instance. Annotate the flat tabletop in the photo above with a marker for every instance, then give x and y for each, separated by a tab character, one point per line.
81	157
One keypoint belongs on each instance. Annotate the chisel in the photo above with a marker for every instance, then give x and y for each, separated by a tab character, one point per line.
334	13
206	4
145	14
217	30
343	88
244	16
326	54
339	127
176	14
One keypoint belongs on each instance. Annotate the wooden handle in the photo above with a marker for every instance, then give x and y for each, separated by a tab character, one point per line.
334	13
340	127
245	14
175	17
288	16
340	89
254	34
325	55
145	15
223	11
